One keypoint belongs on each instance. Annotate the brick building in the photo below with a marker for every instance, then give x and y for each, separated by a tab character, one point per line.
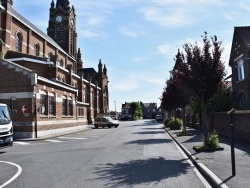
239	63
43	79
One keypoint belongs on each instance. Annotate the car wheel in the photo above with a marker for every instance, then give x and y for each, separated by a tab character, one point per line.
116	126
96	126
109	126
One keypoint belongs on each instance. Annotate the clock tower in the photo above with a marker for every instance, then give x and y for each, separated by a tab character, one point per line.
62	26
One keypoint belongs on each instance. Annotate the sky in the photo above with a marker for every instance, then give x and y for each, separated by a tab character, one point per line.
138	39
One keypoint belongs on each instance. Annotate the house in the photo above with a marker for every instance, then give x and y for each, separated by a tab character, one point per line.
43	79
149	110
125	109
239	63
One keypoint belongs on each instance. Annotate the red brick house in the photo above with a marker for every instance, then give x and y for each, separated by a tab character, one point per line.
239	62
42	75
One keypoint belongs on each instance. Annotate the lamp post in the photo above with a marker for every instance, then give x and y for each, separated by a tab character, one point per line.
115	108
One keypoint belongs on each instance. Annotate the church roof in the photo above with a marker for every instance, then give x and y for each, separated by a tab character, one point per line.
38	31
88	70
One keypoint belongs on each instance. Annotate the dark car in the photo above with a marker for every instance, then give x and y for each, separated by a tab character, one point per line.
158	118
105	121
124	118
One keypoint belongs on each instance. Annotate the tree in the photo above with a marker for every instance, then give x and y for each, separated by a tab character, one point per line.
174	95
135	109
202	73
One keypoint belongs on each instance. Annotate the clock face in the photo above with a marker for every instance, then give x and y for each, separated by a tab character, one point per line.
58	18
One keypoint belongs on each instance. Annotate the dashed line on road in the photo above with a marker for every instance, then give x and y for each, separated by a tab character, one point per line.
21	143
53	140
72	138
15	176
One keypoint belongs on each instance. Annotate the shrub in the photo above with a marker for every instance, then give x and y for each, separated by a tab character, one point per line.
174	124
213	141
166	121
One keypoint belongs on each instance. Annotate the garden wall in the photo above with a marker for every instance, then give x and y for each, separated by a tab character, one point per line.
220	122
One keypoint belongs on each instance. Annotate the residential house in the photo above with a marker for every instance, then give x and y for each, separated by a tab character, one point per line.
239	62
149	110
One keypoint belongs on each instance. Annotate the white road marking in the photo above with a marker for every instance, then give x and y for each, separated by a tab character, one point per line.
15	176
21	143
53	140
73	138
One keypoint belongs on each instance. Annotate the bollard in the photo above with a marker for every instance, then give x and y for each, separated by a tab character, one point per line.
232	150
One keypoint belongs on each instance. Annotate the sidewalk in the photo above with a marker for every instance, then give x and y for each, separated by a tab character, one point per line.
55	135
219	162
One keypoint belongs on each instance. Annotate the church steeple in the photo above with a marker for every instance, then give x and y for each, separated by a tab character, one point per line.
63	3
62	26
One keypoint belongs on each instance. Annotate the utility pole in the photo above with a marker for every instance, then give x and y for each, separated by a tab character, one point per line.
115	108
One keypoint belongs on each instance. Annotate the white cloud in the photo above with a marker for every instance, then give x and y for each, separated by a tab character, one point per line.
91	33
167	17
128	32
138	59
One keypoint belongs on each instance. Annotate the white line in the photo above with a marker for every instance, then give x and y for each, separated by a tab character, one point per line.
15	176
22	143
222	184
53	140
73	138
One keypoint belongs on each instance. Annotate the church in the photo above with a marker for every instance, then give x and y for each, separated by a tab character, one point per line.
43	79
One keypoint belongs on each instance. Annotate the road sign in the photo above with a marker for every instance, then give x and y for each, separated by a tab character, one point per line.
24	109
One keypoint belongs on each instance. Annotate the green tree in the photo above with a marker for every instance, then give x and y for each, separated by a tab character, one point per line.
135	110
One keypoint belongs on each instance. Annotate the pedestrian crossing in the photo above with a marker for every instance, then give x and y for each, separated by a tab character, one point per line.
54	140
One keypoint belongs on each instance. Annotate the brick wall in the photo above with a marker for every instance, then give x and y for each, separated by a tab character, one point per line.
220	122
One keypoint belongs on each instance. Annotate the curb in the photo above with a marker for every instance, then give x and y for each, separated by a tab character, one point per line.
213	180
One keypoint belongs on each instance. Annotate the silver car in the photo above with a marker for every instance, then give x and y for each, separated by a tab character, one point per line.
105	121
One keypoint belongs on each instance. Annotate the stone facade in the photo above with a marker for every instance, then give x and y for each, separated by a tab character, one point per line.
42	75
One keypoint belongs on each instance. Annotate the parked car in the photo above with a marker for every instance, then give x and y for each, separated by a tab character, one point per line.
105	121
124	118
158	118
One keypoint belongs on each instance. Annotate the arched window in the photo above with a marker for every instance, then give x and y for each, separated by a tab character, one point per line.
61	63
18	42
59	77
50	56
64	105
242	100
36	50
51	103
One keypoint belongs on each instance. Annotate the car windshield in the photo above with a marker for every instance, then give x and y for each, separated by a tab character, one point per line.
4	115
109	119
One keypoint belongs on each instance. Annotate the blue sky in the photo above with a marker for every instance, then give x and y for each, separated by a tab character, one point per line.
138	39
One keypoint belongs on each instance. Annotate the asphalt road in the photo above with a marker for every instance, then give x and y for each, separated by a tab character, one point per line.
136	154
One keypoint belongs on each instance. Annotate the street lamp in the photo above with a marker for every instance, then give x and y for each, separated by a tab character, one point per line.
115	108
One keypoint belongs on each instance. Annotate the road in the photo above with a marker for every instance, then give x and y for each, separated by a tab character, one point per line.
136	154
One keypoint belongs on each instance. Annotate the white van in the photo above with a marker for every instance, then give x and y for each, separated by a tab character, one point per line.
6	129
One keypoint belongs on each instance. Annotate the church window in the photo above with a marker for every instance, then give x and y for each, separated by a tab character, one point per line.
240	68
52	104
70	106
58	77
61	63
36	50
50	56
43	103
19	42
64	106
